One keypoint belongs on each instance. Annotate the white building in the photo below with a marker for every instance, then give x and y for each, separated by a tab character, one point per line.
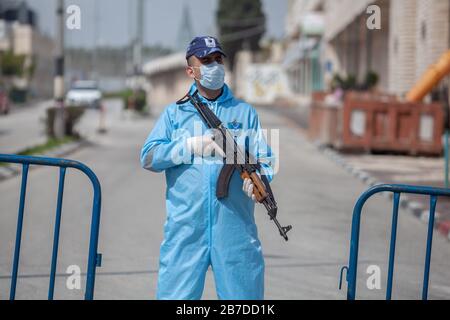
413	35
351	48
19	34
304	29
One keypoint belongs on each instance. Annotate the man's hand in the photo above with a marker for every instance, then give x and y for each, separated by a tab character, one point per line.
247	187
204	146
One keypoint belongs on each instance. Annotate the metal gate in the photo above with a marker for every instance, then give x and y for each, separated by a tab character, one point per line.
351	269
94	258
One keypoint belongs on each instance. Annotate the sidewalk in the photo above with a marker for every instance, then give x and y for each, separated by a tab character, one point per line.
420	171
391	169
23	128
18	139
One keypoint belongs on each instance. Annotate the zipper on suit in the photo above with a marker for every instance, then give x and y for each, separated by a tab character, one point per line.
210	196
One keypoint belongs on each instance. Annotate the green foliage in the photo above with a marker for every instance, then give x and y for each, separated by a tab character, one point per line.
12	64
241	24
371	80
350	82
18	95
339	82
32	68
72	114
117	94
135	100
49	145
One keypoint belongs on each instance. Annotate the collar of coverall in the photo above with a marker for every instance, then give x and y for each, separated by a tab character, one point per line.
224	97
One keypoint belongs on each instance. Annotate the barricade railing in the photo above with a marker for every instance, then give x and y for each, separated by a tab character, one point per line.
94	258
397	190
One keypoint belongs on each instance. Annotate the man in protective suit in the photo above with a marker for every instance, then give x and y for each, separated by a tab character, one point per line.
202	230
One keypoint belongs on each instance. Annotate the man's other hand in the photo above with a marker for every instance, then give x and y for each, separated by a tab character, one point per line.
204	146
247	187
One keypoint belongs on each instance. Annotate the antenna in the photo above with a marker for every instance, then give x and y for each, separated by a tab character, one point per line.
185	31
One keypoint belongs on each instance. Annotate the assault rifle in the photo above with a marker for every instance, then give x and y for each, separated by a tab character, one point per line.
243	162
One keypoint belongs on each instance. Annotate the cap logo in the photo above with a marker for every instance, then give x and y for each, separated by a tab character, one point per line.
210	42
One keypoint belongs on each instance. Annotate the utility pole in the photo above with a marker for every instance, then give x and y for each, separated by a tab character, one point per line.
59	92
137	56
95	72
136	83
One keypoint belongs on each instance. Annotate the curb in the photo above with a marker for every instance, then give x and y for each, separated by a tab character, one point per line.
10	171
416	208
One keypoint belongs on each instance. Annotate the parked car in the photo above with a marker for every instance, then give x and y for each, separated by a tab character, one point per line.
84	93
4	101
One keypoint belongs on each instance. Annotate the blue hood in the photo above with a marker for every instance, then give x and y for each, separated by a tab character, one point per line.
226	95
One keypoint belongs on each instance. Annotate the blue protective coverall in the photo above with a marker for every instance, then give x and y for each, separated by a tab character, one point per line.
201	230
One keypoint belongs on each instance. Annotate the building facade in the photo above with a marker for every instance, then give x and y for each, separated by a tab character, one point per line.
20	35
351	48
304	27
413	35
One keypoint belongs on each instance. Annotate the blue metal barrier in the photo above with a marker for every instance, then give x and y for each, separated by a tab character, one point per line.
94	259
434	193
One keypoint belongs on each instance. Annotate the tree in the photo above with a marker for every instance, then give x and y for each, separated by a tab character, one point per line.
12	65
241	25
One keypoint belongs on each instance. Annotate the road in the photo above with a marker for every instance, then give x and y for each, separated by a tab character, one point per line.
314	194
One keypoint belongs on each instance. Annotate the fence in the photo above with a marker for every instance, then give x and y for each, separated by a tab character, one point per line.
351	269
94	258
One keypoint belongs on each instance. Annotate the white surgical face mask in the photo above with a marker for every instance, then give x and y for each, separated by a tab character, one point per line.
213	76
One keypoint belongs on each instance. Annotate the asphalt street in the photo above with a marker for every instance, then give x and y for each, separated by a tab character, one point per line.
314	194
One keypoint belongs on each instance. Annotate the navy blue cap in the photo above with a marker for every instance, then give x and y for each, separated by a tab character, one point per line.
203	46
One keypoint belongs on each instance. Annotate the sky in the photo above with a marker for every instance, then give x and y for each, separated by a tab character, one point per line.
116	23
